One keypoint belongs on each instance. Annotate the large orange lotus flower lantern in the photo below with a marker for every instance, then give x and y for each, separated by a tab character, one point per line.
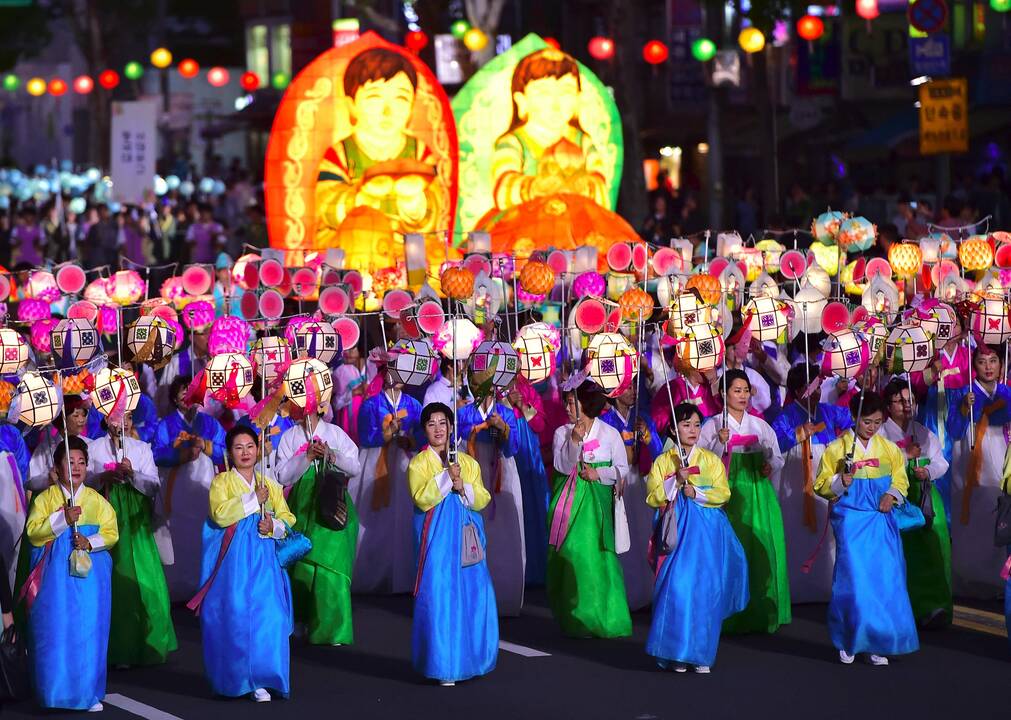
537	277
708	287
905	259
975	253
636	304
457	283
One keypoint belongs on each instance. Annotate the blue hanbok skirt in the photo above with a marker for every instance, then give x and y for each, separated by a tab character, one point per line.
245	617
68	627
699	585
536	498
455	633
870	610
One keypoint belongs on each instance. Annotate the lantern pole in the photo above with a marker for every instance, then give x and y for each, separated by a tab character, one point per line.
451	455
807	350
66	453
724	378
562	316
670	399
706	260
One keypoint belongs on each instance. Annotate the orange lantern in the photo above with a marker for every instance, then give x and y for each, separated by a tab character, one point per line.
708	287
905	259
457	283
975	253
636	304
537	277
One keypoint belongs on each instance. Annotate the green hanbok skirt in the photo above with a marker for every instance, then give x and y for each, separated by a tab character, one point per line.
928	561
758	521
321	581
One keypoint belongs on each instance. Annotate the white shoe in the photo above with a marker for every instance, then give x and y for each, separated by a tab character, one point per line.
681	667
260	695
447	683
702	669
97	707
878	660
845	658
338	645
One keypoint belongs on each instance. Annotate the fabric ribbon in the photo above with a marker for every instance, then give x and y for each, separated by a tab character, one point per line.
198	599
1005	572
867	462
810	505
644	460
423	551
381	489
976	457
563	508
626	377
33	583
737	441
16	474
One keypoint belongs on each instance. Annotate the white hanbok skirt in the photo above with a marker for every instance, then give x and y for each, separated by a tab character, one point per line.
182	548
635	563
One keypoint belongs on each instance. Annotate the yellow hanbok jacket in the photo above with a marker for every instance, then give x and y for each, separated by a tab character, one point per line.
47	522
232	499
891	461
429	481
711	486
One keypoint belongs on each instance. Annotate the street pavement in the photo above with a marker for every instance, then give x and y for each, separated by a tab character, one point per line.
961	673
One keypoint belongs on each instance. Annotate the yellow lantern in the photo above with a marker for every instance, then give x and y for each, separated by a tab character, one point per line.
161	58
906	259
36	87
751	40
975	253
475	39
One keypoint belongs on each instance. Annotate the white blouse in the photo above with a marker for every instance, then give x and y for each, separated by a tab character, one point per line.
609	447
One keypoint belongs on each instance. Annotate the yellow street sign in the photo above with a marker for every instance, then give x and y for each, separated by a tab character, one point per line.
944	116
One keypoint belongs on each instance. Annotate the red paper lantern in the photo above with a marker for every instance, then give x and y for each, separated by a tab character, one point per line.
217	76
867	9
810	28
416	40
189	68
655	52
249	81
108	79
83	84
601	48
551	42
57	87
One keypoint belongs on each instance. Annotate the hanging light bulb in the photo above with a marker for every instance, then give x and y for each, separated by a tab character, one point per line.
703	49
601	48
189	68
57	87
133	70
810	28
751	40
161	58
108	79
217	76
655	52
83	84
36	87
868	9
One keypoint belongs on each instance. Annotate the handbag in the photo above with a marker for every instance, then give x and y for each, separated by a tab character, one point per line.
669	528
622	539
14	683
1002	528
331	497
908	516
292	547
80	563
926	501
471	552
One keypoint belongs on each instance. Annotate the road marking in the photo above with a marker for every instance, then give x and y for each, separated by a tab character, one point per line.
521	650
980	621
138	708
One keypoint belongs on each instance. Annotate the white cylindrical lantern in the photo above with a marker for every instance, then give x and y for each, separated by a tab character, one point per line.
808	305
768	318
37	400
13	351
909	349
270	352
300	375
612	362
535	350
113	385
702	347
230	369
412	362
74	342
457	338
847	354
989	320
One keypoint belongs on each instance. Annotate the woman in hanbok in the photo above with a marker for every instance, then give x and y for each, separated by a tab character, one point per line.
349	383
927	549
455	631
387	425
803	429
586	590
750	452
321	581
704	578
41	473
70	528
643	445
979	423
489	431
526	405
188	445
864	475
123	470
244	601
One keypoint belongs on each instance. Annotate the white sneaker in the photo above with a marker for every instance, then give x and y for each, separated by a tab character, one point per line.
447	683
878	660
681	667
845	658
702	669
260	695
97	707
337	645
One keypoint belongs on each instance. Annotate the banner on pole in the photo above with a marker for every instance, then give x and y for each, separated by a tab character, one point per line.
944	116
134	151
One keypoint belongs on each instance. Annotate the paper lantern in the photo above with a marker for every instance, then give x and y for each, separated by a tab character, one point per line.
57	87
537	277
636	305
416	40
115	385
601	48
702	347
318	339
703	49
217	76
457	338
83	84
457	282
535	350
751	40
125	287
826	226
810	28
228	335
475	39
11	82
161	58
989	320
73	343
808	305
764	286
13	351
269	354
249	81
42	286
412	362
300	375
906	259
31	310
612	362
881	297
231	374
937	319
856	233
152	340
497	359
687	310
707	285
930	249
108	79
189	68
868	9
37	400
826	258
847	354
909	349
655	52
767	318
875	332
198	315
975	253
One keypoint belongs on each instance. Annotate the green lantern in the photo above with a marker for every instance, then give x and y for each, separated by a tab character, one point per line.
703	49
11	83
279	80
1001	6
133	70
459	28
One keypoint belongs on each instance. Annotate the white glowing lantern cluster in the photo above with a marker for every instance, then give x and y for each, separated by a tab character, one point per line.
151	339
37	400
847	353
702	347
269	352
908	349
989	320
110	385
498	356
412	362
875	332
75	336
939	323
13	351
769	318
317	339
230	366
535	351
300	375
686	310
612	361
808	305
457	338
